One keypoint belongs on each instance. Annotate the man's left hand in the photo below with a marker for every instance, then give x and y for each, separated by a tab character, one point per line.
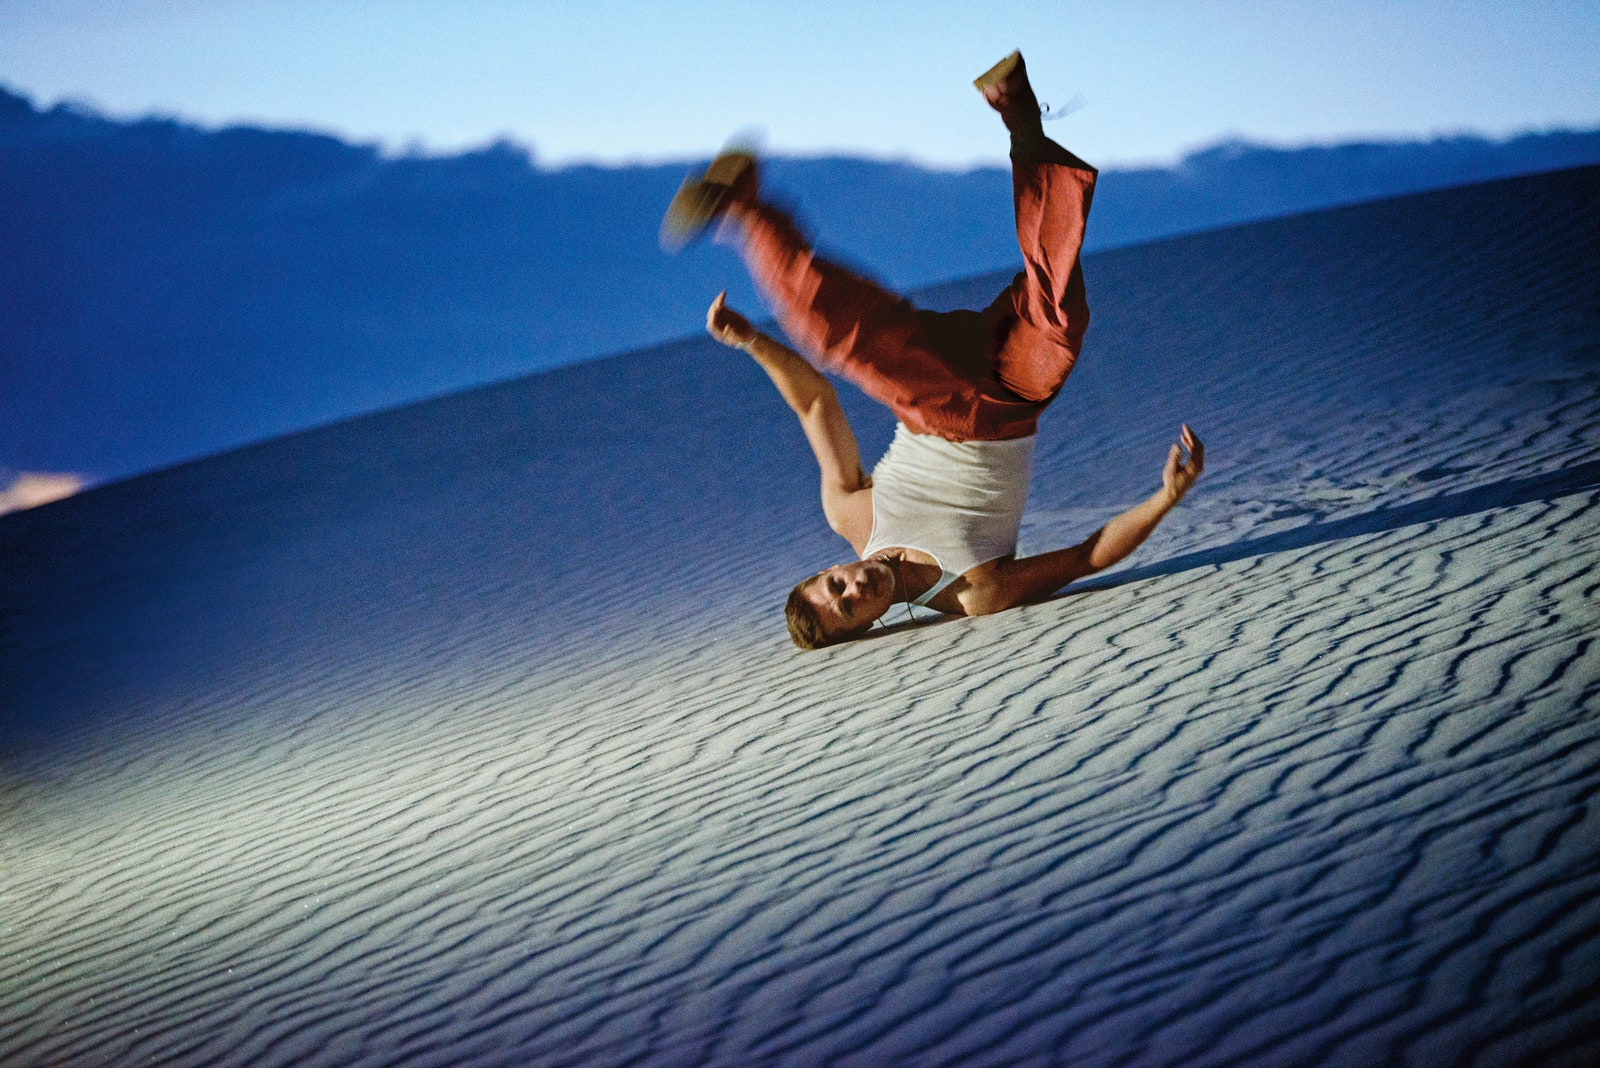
1181	473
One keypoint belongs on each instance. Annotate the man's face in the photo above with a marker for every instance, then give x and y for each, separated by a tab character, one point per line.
850	596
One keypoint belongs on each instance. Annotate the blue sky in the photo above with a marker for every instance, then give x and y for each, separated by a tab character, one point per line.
614	81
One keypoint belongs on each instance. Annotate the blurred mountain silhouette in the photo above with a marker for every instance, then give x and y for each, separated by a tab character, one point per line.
171	291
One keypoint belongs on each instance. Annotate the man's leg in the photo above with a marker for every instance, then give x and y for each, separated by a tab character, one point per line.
1048	298
850	325
1052	190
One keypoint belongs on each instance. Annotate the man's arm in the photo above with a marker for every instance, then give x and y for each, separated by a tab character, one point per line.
1018	581
846	500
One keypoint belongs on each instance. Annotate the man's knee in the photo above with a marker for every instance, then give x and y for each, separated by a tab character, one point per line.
1035	363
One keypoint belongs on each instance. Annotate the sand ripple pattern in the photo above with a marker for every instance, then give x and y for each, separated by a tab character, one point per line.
466	735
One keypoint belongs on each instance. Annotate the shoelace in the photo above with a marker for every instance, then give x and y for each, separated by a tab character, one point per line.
1049	114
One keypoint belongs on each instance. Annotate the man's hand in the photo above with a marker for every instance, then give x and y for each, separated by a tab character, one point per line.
727	325
1179	473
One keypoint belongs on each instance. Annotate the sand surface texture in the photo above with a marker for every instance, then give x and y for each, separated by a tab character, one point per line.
468	733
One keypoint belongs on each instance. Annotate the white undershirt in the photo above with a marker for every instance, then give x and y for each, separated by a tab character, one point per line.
958	501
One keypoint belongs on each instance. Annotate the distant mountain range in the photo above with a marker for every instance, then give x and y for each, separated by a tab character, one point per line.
169	291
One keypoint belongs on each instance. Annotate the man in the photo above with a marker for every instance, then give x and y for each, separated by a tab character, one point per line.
936	523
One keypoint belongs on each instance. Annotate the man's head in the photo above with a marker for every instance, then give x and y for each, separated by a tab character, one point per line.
840	603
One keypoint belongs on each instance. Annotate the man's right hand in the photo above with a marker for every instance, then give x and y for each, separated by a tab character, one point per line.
727	325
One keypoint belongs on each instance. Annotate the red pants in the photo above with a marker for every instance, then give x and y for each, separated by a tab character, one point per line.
963	375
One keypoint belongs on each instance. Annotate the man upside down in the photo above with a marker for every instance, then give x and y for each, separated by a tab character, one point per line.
936	523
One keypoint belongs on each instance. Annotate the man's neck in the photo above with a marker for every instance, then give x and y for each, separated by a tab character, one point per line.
912	577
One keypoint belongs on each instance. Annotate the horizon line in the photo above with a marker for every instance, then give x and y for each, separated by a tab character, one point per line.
418	149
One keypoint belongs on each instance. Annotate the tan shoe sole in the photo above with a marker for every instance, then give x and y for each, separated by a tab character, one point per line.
700	200
998	73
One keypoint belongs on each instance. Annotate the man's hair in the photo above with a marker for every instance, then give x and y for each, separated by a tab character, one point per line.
805	626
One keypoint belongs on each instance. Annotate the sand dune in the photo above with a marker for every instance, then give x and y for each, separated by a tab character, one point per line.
468	733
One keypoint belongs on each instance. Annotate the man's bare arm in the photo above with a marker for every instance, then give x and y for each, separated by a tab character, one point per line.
816	404
1031	578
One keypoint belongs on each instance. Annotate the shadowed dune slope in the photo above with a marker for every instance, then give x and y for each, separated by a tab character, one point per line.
467	733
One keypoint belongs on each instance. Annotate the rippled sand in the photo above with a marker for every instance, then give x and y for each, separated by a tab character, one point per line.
469	734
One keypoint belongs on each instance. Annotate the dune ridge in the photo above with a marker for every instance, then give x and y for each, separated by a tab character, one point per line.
467	733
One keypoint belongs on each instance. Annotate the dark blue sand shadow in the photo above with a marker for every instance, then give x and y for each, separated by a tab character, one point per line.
1507	494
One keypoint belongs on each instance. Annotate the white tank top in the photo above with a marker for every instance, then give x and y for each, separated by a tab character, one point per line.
958	501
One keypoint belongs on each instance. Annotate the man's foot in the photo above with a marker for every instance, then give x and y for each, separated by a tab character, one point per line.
700	201
1005	86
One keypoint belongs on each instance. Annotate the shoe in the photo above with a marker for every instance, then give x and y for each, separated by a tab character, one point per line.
1005	86
699	201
